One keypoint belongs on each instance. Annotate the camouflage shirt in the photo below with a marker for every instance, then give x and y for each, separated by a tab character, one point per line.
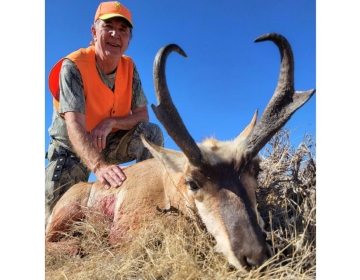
73	99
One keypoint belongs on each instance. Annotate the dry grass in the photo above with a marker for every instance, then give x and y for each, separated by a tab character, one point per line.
174	247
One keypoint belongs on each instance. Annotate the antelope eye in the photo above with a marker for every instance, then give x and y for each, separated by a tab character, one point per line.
192	185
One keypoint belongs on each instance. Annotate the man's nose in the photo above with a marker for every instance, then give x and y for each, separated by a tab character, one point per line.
115	34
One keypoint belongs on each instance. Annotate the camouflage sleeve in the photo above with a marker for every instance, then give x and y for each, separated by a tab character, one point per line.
139	99
72	96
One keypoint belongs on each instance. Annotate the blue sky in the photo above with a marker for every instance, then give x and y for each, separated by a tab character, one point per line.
226	76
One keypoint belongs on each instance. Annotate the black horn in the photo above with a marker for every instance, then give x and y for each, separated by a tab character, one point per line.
166	111
284	102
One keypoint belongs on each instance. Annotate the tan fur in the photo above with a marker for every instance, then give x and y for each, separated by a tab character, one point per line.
152	185
136	199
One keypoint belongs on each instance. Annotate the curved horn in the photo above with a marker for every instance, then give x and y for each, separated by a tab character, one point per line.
284	102
166	111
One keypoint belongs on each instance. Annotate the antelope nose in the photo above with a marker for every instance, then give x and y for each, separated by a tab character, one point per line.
255	260
251	263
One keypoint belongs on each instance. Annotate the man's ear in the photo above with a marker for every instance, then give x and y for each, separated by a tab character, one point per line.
93	33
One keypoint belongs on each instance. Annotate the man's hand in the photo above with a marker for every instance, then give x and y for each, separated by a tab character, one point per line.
100	132
111	175
83	142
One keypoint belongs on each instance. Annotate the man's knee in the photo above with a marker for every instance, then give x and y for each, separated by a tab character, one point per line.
136	148
125	146
152	132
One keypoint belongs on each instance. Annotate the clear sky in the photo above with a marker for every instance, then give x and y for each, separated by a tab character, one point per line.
226	76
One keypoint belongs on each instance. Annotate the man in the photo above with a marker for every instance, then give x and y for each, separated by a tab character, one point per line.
100	109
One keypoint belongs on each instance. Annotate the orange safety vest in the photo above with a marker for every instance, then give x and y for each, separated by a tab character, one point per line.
100	101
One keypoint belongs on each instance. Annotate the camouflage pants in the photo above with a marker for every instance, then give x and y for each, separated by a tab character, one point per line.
121	146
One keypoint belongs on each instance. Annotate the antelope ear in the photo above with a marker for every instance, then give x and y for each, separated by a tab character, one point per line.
172	160
250	127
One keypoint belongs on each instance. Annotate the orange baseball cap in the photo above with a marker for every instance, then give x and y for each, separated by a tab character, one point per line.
108	10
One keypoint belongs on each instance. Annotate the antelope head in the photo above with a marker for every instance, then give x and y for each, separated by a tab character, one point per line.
220	178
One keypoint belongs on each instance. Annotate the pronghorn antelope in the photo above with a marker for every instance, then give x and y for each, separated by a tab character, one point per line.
216	181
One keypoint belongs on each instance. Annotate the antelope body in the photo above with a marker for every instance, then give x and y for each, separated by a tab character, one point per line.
214	180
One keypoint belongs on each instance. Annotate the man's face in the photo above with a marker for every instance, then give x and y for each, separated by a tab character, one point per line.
111	37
